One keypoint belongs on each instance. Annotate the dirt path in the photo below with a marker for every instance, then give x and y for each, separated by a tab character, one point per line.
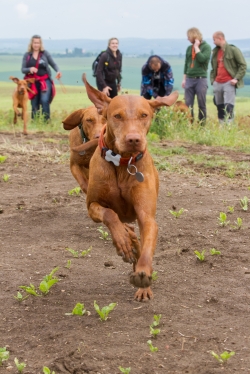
204	305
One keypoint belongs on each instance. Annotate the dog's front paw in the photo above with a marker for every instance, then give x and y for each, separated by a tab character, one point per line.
144	294
140	279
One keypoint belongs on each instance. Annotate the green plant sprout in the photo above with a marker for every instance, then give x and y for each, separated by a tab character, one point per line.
75	191
104	312
223	219
78	310
151	347
46	370
214	251
124	370
200	255
84	253
19	297
73	252
244	203
157	318
6	177
177	214
223	357
48	281
154	275
154	332
4	355
2	159
30	289
169	194
68	264
230	209
103	233
20	365
238	223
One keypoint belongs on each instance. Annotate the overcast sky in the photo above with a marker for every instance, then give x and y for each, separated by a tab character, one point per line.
102	19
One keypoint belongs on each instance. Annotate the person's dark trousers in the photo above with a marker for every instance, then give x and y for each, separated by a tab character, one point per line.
42	99
196	86
113	85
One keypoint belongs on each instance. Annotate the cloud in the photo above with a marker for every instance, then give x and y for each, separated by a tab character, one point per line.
23	11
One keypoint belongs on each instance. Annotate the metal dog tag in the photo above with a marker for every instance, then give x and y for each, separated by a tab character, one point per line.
139	176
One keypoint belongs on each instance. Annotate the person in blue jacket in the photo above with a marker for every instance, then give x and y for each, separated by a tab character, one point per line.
157	78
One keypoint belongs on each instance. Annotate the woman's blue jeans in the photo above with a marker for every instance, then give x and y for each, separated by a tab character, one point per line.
42	99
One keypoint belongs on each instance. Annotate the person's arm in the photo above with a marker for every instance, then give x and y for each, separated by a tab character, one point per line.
241	64
119	80
100	70
183	83
146	80
169	80
24	68
203	52
52	63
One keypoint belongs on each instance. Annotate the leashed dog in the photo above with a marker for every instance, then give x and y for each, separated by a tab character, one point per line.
83	141
123	181
20	100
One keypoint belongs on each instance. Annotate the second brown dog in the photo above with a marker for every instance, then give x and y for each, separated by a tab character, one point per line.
85	126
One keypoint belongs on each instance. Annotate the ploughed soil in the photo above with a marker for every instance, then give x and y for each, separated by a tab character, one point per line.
205	306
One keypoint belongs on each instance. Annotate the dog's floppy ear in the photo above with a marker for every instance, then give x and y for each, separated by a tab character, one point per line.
15	80
31	80
81	149
164	101
99	99
73	120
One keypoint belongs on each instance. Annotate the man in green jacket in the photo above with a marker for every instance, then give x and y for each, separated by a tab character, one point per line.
228	70
195	72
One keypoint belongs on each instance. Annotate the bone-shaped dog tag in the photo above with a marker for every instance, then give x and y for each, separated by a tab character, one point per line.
111	156
139	176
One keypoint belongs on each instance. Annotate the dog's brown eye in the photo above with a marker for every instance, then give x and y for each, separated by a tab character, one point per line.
118	116
144	115
89	120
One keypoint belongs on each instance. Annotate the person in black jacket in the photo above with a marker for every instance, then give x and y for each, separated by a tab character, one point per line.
108	73
157	78
36	64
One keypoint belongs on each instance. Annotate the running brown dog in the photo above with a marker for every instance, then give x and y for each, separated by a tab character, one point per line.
123	181
83	141
20	100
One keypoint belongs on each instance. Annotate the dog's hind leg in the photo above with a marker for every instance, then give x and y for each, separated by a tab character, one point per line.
25	120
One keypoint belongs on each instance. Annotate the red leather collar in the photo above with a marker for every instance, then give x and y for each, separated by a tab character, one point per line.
123	160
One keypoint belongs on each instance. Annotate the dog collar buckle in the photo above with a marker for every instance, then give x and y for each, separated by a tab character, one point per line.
112	157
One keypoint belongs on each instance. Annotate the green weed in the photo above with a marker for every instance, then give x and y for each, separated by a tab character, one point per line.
20	365
244	203
153	331
223	219
177	214
68	264
46	370
19	297
48	281
104	312
84	253
124	370
4	355
238	224
78	310
214	251
200	255
2	158
154	275
6	177
104	234
230	209
223	357
75	191
151	347
73	252
30	289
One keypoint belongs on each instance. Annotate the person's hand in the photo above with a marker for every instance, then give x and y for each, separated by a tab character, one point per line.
119	87
183	83
234	82
58	75
106	90
33	70
196	43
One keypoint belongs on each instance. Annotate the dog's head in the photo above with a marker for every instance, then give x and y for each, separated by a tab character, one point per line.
128	118
92	122
22	84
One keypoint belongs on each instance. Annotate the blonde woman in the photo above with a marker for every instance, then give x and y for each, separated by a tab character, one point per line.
195	72
36	64
108	73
